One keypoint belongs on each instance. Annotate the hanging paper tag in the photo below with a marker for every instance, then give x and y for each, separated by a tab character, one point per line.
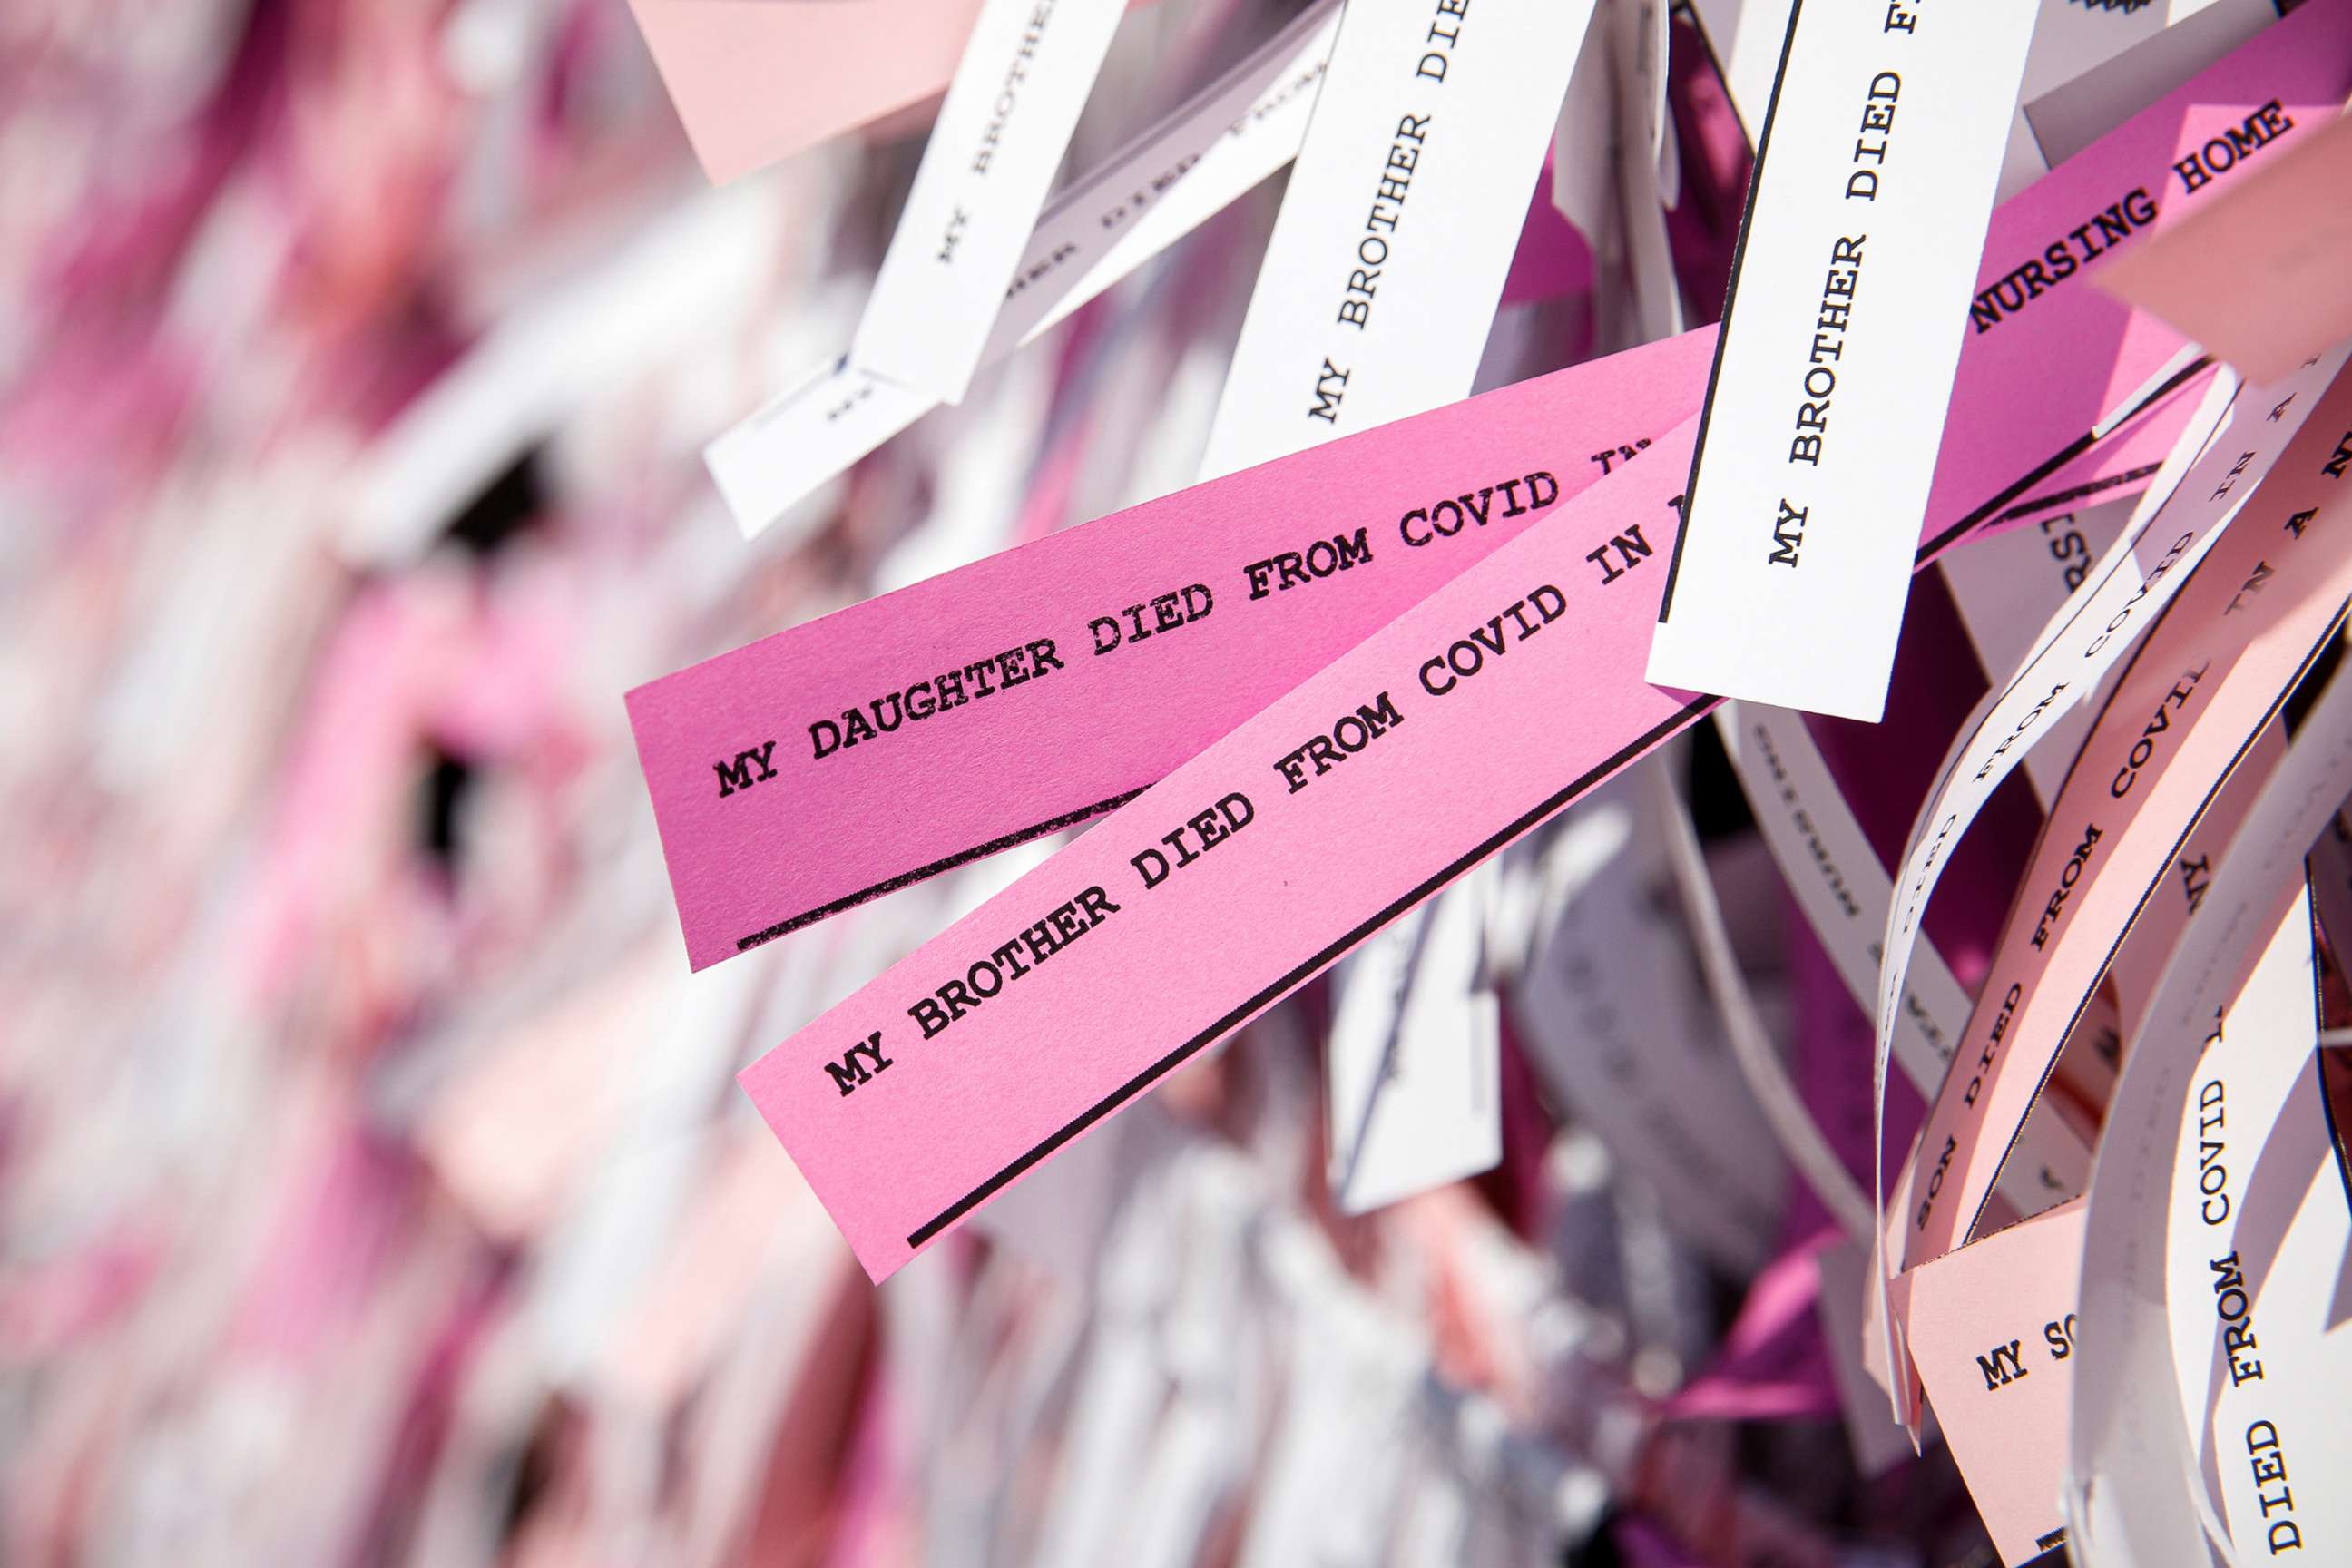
1399	225
1992	1331
2256	1094
1016	697
1873	187
1414	1059
1001	134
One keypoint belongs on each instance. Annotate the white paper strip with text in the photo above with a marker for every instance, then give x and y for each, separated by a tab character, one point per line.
1403	211
1866	217
1001	134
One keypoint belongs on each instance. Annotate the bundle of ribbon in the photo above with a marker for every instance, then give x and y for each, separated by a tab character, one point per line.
1308	702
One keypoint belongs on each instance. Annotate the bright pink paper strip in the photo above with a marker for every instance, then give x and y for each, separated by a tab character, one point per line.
1143	980
831	831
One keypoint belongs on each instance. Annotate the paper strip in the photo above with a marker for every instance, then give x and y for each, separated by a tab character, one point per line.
1000	133
2139	964
1992	1327
2070	660
2258	276
2207	679
2259	1057
2128	1490
2276	1439
2006	588
1413	1060
1399	225
1133	641
1817	447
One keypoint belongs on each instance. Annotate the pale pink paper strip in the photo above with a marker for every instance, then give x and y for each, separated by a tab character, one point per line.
1993	1329
2263	276
2211	674
756	81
